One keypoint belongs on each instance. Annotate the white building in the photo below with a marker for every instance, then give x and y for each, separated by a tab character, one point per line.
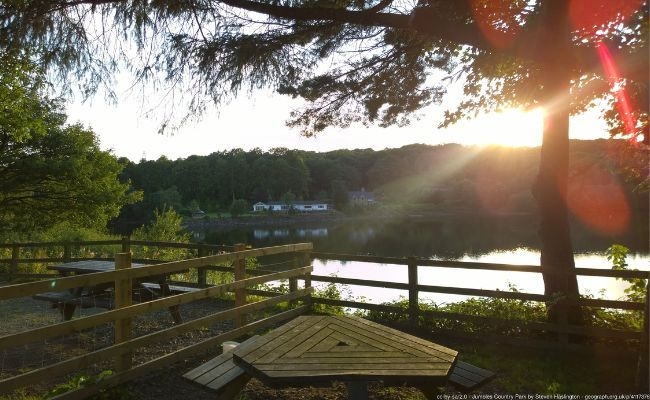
301	206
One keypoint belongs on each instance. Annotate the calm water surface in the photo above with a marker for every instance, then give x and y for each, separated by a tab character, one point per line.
508	240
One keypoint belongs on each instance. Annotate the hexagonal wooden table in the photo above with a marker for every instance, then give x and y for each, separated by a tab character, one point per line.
313	350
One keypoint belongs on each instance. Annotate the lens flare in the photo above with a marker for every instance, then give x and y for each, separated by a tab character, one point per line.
497	20
617	86
598	200
592	16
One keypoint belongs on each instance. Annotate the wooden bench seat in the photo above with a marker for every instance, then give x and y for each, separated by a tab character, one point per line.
468	377
67	301
174	289
221	375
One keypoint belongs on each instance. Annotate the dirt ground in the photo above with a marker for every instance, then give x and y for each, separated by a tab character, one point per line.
169	384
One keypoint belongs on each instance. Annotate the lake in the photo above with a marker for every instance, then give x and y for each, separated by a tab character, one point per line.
508	240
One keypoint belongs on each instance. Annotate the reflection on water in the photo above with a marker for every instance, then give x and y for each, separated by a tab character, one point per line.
266	234
442	238
508	240
529	282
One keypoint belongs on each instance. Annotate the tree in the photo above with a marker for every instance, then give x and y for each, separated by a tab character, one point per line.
51	172
165	227
339	195
385	60
238	207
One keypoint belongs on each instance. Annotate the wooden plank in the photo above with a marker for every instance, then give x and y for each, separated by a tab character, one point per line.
323	345
285	341
218	371
76	363
354	367
123	298
90	321
354	358
588	331
267	342
180	355
360	282
207	366
294	360
313	340
397	339
176	289
345	333
88	280
360	354
378	374
225	378
469	376
217	362
352	343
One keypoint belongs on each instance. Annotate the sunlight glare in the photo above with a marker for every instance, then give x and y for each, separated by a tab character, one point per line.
510	128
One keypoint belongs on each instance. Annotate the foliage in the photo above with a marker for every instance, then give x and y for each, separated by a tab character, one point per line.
339	194
166	227
617	254
238	207
351	61
516	315
376	62
51	172
448	177
330	291
80	381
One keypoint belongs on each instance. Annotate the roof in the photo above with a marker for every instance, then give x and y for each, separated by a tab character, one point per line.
295	203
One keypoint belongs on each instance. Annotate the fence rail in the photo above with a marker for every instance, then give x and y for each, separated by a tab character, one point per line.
296	268
414	313
124	345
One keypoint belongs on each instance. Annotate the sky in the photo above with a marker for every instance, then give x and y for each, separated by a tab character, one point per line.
259	121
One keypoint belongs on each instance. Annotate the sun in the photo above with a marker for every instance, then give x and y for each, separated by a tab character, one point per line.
510	127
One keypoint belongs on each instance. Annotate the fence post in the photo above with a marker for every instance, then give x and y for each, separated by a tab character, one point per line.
67	252
414	308
240	294
307	261
643	369
293	281
15	256
126	244
123	298
563	310
202	278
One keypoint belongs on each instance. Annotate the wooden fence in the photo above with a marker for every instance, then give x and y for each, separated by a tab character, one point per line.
295	268
49	252
549	334
124	344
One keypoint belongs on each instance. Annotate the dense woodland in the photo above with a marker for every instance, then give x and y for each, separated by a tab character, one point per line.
449	177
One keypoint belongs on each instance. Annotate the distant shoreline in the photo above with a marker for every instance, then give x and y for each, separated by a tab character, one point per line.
331	217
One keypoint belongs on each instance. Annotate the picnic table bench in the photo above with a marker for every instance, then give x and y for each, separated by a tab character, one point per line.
67	301
227	374
467	377
101	295
221	375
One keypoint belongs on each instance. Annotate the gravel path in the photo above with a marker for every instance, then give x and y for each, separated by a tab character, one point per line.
25	313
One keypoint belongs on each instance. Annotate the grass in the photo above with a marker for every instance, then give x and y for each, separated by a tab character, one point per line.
530	370
524	370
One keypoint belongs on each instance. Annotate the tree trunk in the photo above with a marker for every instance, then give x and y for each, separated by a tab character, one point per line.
550	188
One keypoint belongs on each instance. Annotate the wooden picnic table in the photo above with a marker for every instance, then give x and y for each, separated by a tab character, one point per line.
101	295
312	350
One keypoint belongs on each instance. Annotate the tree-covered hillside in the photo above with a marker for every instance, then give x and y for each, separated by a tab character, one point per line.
453	177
